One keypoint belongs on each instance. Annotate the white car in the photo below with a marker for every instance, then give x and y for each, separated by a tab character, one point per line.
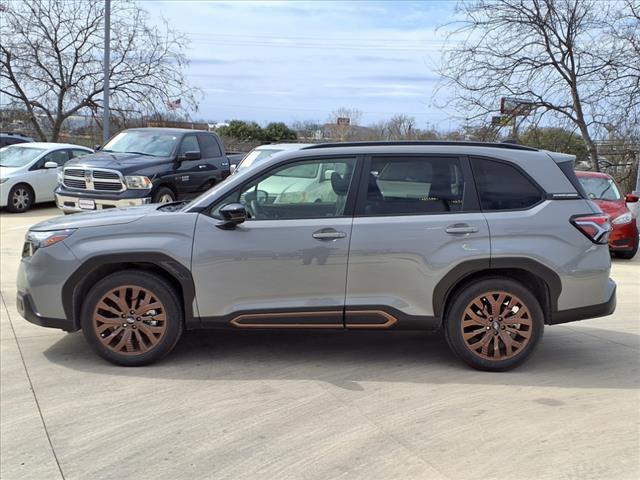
29	172
261	153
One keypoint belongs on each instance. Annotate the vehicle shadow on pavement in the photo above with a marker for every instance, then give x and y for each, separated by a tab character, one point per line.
34	211
576	358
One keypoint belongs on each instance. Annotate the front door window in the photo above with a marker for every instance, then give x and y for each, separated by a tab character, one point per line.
305	189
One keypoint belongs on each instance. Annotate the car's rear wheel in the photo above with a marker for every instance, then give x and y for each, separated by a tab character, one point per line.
20	199
163	195
132	318
494	324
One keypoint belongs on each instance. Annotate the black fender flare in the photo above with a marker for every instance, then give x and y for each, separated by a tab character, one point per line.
170	266
465	269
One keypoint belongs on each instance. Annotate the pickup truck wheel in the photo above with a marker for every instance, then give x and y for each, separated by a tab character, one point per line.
163	195
132	318
494	324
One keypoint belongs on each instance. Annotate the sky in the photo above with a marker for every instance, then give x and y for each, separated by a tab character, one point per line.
297	61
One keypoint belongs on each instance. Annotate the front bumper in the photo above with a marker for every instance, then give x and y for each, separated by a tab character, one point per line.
589	311
25	308
68	203
624	237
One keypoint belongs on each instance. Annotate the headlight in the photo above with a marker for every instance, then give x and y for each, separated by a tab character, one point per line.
2	180
622	219
138	181
36	240
60	176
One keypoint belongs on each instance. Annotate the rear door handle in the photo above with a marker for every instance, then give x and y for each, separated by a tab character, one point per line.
202	166
460	228
328	234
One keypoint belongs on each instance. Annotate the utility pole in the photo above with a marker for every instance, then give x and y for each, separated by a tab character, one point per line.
107	61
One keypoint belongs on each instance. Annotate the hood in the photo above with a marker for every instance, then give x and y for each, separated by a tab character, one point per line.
117	161
613	208
8	171
111	216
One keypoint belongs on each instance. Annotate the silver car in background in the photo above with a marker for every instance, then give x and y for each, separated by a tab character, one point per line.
488	242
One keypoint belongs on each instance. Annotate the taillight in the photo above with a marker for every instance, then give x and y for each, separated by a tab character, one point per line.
595	227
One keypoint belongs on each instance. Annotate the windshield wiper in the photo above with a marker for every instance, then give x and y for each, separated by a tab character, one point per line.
142	153
601	197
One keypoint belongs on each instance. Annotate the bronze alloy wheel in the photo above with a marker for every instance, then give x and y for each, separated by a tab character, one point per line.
496	325
130	320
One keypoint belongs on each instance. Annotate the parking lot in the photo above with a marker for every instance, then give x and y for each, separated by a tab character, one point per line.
322	405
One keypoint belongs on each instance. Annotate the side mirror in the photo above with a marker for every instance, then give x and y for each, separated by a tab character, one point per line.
190	155
233	214
48	165
97	147
232	168
631	198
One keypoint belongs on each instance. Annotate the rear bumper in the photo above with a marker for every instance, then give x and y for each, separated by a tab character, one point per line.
26	309
68	203
590	311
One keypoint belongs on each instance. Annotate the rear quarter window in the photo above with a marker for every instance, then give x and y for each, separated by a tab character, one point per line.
502	186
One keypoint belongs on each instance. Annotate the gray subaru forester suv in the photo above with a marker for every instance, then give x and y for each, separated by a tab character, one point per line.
488	242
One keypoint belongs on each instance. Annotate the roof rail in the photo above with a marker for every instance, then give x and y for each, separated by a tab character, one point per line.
510	146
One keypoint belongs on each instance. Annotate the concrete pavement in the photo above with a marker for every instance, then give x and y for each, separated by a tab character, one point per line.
325	405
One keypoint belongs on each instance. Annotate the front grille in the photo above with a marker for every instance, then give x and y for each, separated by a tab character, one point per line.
93	179
112	187
101	174
72	183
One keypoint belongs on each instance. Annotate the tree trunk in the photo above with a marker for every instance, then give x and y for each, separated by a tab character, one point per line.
591	146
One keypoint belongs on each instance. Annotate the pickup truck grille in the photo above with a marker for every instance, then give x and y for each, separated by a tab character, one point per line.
95	179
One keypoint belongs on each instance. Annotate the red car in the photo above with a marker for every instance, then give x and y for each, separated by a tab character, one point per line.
602	189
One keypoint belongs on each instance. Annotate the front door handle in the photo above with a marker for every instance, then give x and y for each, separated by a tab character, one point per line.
202	166
460	228
328	234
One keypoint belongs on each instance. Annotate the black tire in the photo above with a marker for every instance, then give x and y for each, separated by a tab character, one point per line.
162	194
495	332
627	254
124	284
21	198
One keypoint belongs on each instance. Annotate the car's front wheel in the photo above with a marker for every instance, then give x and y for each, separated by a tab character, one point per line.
132	318
20	199
628	254
494	324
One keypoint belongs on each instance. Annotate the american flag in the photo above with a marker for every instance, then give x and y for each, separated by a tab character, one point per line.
176	104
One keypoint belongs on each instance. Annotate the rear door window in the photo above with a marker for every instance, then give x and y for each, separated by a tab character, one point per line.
414	186
209	146
502	186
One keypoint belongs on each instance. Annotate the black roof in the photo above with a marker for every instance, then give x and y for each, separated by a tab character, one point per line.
511	146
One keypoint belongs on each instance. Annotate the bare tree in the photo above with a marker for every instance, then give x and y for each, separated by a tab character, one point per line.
559	54
51	61
401	127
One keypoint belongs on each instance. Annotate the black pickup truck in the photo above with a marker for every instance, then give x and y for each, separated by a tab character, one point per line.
144	165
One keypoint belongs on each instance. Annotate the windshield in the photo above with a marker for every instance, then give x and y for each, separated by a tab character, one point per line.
600	188
143	142
18	156
255	156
